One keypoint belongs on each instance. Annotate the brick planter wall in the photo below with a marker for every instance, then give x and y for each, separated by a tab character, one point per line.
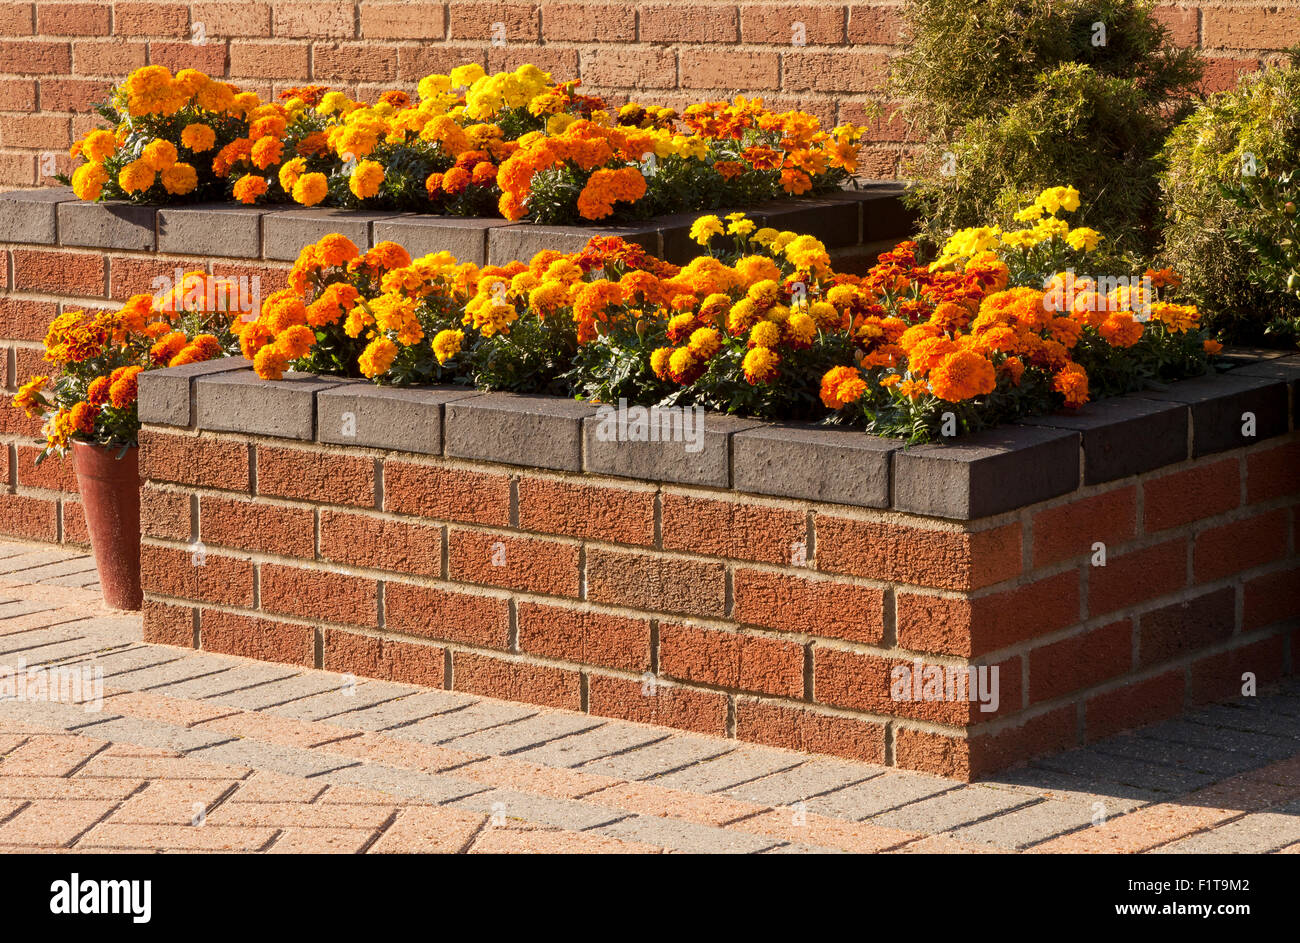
60	253
761	588
59	58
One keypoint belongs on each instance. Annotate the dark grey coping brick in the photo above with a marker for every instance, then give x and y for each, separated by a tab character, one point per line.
242	402
524	240
1233	357
839	466
1218	404
408	420
211	229
986	473
419	234
109	225
540	431
1280	368
286	231
1123	435
608	452
836	222
29	216
164	397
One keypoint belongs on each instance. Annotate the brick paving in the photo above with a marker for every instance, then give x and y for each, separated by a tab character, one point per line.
191	751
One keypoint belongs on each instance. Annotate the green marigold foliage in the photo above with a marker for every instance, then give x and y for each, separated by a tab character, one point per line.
1230	206
1011	96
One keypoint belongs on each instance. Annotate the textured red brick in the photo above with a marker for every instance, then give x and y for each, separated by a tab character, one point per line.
802	728
17	95
330	477
315	594
1190	495
584	636
1070	530
655	583
35	57
264	639
689	22
722	69
73	94
842	72
164	514
516	680
1081	661
475	20
1222	676
876	24
194	460
73	19
1271	598
406	20
629	66
386	659
588	22
380	543
944	559
257	525
1272	473
822	607
448	494
209	57
16	19
525	563
1185	626
1136	704
618	515
74	528
775	23
415	62
197	575
1230	548
53	474
734	660
242	18
268	60
354	62
165	624
129	274
108	57
446	615
863	682
743	530
58	272
972	627
669	705
151	19
981	753
24	516
1235	27
1137	576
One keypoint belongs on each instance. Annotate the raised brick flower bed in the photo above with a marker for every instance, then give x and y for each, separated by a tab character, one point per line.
1115	566
65	254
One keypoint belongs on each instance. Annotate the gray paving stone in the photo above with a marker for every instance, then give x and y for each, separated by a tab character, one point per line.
408	783
12	608
603	741
328	704
724	772
286	231
662	756
29	559
1257	833
40	574
46	713
481	715
1101	767
563	813
1054	784
791	848
1183	756
524	240
141	679
130	658
242	675
151	733
394	716
119	628
271	693
1031	824
86	580
1123	435
54	651
952	809
679	835
1240	717
292	761
1218	404
878	794
528	733
814	777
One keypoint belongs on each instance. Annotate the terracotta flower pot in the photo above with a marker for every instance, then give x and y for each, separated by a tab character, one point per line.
110	497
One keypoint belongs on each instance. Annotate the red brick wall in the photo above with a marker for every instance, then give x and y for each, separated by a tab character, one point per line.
686	606
57	58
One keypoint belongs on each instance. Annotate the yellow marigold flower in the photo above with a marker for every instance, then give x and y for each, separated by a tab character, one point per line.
765	334
310	189
377	357
764	293
88	181
740	227
760	365
29	397
801	329
1083	239
198	137
743	315
705	342
447	344
464	76
158	154
757	268
659	361
180	178
365	180
332	102
824	315
684	366
99	145
705	228
136	177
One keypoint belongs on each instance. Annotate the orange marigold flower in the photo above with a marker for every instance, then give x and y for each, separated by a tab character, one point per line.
167	347
834	378
249	187
1121	329
83	418
97	392
962	375
1071	381
270	362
